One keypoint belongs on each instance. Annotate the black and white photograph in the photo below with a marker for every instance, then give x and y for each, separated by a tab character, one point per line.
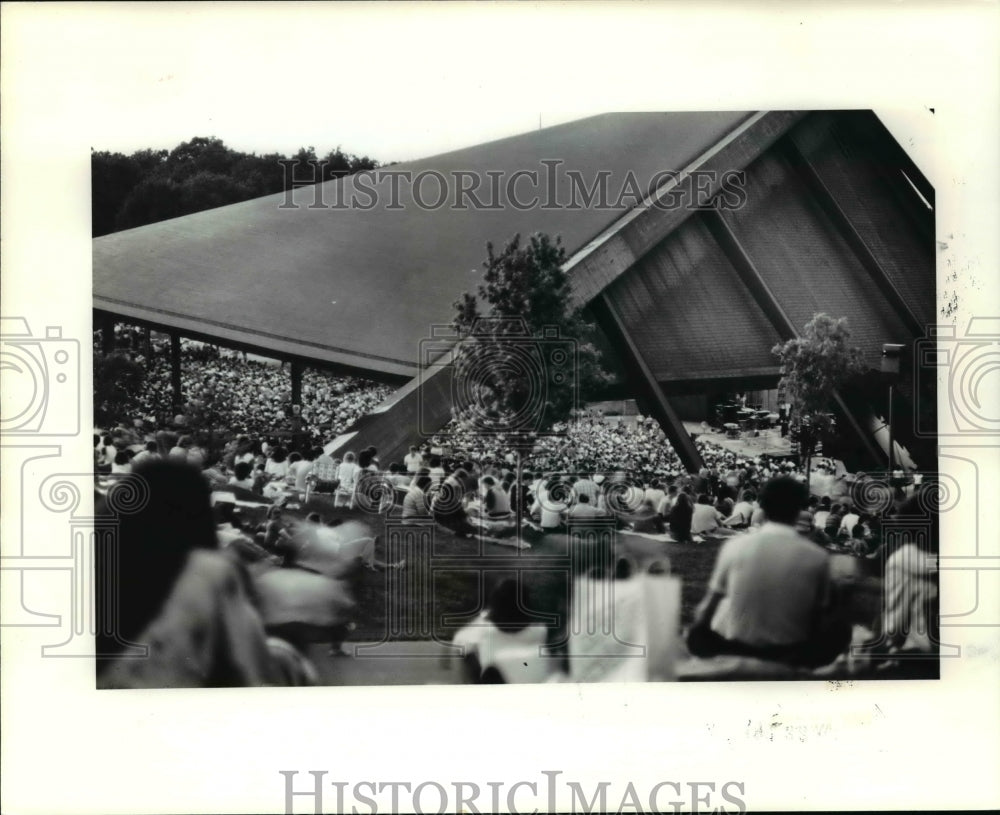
634	397
638	362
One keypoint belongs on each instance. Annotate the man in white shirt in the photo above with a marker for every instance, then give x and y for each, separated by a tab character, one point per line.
742	513
769	595
301	468
437	471
667	504
654	495
583	510
413	461
847	524
706	517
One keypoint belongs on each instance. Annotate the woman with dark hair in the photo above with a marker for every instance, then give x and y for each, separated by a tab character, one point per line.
448	504
242	476
166	589
122	463
244	451
108	451
504	644
681	515
277	464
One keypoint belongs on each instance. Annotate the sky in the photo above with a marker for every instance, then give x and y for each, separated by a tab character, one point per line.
391	82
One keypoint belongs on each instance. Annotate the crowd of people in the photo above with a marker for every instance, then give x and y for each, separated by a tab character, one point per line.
287	581
227	390
752	502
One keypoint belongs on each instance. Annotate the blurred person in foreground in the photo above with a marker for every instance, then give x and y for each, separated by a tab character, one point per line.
770	595
165	586
311	599
906	633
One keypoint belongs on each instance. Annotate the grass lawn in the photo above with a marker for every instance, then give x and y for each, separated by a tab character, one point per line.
465	570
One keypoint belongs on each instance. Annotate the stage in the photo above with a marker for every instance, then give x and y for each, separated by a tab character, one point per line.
747	444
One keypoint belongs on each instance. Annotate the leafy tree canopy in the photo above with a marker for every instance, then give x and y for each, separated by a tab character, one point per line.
817	363
527	356
813	367
153	185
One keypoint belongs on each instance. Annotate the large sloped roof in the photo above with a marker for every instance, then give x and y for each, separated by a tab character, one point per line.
694	320
361	287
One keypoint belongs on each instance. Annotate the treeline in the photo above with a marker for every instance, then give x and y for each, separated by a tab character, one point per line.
153	185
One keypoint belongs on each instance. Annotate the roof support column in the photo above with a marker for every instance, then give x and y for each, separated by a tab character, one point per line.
296	372
648	391
107	333
175	369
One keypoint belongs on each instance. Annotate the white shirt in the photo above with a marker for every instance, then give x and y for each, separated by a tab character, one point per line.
848	523
772	580
413	462
742	513
348	474
705	519
301	469
666	504
279	470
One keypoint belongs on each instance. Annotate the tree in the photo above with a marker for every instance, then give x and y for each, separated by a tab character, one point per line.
113	176
201	154
153	185
529	359
152	199
814	366
117	381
